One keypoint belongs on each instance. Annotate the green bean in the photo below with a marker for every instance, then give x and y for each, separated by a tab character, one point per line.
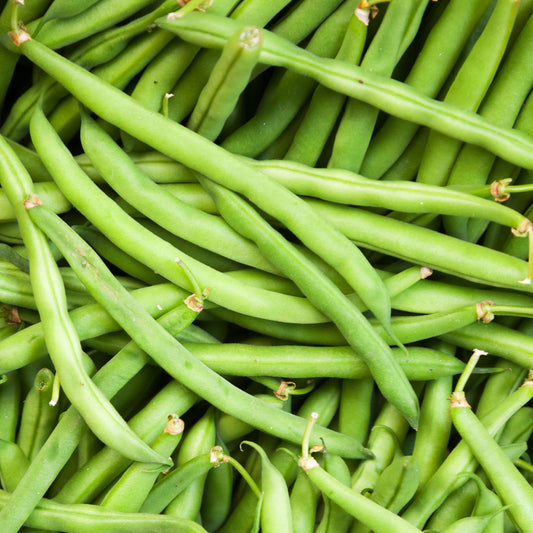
407	329
282	100
10	395
275	509
230	428
171	485
498	388
13	464
129	492
386	48
120	172
501	106
397	484
373	515
480	65
218	494
511	486
461	460
303	500
388	95
434	63
386	435
355	408
39	414
227	80
118	72
323	295
345	187
475	524
104	14
116	256
421	245
177	360
432	438
80	518
61	337
198	440
518	429
496	339
65	9
325	106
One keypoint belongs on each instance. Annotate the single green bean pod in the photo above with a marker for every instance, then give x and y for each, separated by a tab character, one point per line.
276	509
511	486
226	82
130	491
304	501
13	464
39	414
199	440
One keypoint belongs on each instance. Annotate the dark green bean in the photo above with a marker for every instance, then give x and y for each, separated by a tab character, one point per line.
384	51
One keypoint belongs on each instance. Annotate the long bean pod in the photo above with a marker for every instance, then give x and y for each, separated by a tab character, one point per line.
170	354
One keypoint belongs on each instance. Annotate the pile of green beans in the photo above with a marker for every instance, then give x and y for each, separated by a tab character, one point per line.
266	266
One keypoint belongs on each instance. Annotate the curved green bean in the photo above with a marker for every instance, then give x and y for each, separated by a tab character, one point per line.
168	352
62	340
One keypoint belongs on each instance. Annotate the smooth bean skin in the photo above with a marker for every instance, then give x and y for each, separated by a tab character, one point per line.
461	460
511	486
170	354
84	518
393	97
275	509
13	464
373	515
